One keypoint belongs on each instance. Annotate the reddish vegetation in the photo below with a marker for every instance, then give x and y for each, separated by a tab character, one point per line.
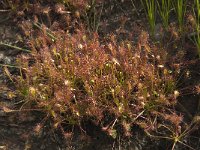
73	75
76	77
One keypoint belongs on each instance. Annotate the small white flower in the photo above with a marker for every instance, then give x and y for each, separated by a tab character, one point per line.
58	105
160	66
67	82
143	104
115	61
121	108
43	97
158	57
59	66
77	113
188	74
176	94
41	84
80	46
141	98
112	91
32	91
72	89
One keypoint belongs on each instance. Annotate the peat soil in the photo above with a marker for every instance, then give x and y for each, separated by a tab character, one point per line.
18	129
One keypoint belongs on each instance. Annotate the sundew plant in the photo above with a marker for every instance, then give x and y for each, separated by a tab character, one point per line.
76	77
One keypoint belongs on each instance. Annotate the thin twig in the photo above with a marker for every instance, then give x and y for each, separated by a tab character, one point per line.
15	47
6	10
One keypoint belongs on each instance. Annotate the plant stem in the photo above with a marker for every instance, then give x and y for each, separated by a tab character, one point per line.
15	47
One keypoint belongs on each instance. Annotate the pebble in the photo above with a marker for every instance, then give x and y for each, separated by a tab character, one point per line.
7	60
1	56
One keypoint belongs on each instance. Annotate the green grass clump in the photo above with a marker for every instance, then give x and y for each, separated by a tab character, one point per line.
164	8
150	9
197	25
180	9
76	77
